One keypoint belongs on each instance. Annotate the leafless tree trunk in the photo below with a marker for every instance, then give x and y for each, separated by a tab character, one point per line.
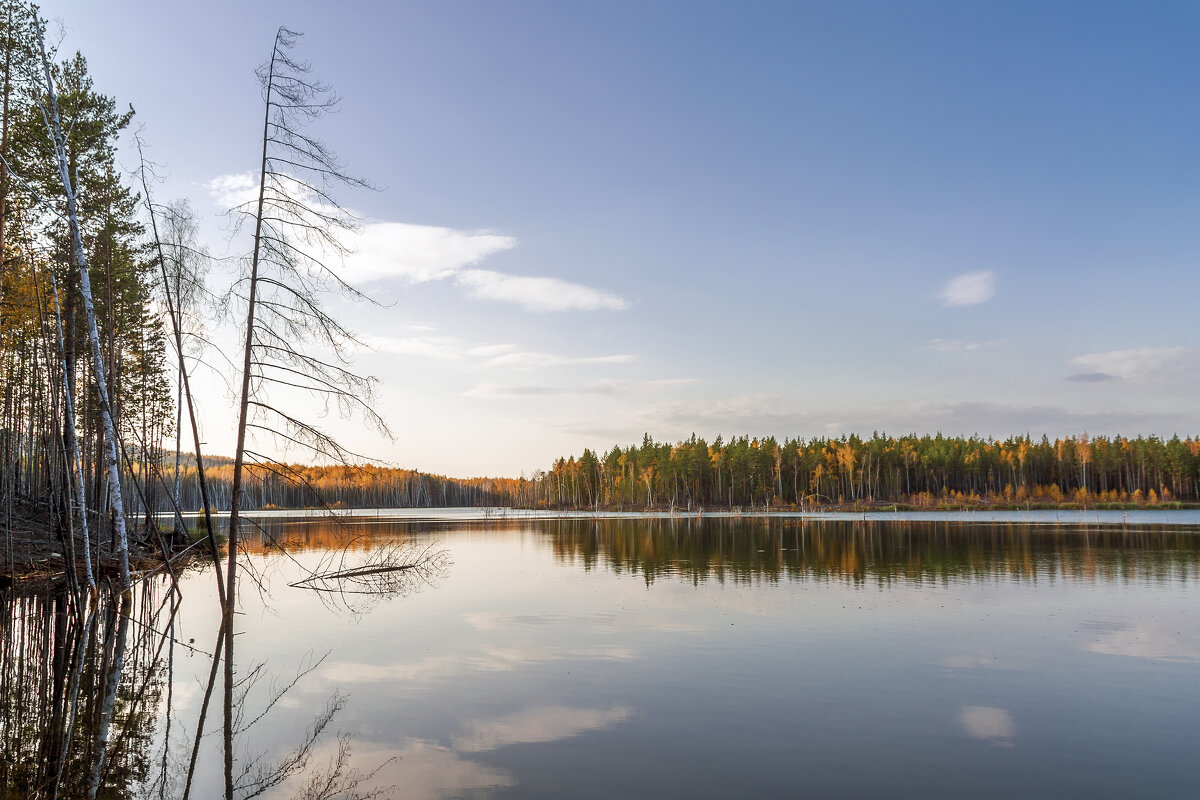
71	442
117	665
298	231
174	310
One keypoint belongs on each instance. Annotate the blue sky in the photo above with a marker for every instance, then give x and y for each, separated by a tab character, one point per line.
601	219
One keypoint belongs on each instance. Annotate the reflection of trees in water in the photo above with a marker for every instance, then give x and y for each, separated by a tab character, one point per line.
357	567
79	693
86	684
751	550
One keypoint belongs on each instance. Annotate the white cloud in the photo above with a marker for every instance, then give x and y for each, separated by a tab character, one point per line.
537	294
1125	364
419	253
440	347
448	348
535	725
228	191
969	289
993	725
381	250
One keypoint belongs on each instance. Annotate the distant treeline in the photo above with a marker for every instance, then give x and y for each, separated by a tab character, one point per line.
743	472
281	485
918	471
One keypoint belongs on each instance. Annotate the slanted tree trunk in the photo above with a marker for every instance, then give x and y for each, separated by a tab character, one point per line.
174	311
54	128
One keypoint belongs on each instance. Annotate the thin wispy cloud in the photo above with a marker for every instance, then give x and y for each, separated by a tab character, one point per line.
1117	365
426	343
969	289
525	359
381	250
537	294
772	414
605	387
491	350
960	346
439	347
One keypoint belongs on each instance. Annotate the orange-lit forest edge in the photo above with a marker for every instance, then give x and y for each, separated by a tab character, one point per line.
908	472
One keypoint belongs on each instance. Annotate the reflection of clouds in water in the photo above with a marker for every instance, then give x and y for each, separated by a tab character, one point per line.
340	672
487	659
976	662
494	620
423	770
994	725
502	659
607	623
1164	644
537	725
183	695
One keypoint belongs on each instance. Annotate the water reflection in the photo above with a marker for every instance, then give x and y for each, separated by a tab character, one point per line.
80	692
745	551
752	549
689	648
994	725
92	702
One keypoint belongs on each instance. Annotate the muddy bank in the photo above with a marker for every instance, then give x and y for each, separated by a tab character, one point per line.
34	550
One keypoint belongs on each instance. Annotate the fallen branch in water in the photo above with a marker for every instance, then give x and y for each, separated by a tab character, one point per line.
354	573
388	571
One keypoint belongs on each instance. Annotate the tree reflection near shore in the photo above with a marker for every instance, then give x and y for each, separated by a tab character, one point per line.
881	553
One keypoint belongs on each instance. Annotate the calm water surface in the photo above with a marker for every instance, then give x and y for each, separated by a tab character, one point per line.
729	657
720	658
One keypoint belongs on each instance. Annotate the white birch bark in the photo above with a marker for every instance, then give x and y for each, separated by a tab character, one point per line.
72	442
110	695
54	128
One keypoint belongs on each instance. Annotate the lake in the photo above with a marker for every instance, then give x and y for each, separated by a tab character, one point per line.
703	657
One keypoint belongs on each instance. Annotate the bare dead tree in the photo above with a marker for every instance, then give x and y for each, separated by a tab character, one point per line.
300	232
180	272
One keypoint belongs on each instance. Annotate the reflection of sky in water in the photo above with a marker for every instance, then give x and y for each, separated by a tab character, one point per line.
544	664
993	725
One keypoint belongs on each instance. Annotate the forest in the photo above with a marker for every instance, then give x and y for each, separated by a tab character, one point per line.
103	306
102	297
87	386
915	471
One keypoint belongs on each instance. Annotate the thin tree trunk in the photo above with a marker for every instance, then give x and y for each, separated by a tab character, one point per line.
72	444
85	287
110	693
174	312
240	452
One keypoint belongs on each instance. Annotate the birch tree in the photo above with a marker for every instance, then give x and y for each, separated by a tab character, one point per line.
49	110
